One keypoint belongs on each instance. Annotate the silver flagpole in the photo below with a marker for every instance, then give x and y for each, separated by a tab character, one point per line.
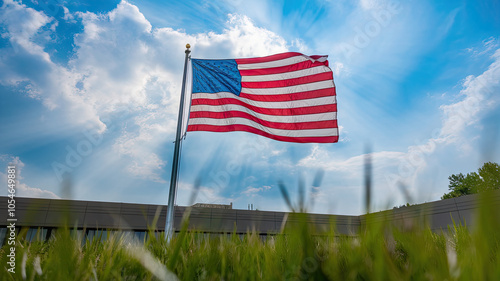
169	224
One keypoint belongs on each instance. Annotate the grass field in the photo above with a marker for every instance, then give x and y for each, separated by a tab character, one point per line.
378	252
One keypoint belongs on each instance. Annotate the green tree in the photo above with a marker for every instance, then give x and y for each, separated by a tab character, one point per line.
487	178
490	176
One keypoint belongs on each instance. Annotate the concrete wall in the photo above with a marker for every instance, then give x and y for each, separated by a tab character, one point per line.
52	213
439	215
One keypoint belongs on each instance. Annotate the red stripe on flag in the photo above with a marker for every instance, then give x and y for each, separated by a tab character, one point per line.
269	111
245	128
274	125
291	97
289	82
282	69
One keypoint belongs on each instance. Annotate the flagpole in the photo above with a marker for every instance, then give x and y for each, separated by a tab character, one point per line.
169	224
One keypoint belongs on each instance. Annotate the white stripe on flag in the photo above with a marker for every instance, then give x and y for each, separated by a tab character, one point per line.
286	75
291	89
263	104
276	63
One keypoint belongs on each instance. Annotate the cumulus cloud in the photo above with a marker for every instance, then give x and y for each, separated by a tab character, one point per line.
26	62
393	168
477	97
22	189
122	67
22	22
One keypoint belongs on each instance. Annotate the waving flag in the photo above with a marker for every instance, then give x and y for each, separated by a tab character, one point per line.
286	97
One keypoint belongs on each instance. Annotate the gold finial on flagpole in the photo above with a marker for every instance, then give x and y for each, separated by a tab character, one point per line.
188	46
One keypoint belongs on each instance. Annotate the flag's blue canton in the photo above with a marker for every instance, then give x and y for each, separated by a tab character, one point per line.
213	76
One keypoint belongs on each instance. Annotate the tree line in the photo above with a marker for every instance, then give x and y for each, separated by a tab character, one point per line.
486	178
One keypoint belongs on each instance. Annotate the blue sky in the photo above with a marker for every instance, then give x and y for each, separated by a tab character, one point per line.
91	89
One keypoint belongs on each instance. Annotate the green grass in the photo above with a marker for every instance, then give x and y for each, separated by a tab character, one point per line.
378	252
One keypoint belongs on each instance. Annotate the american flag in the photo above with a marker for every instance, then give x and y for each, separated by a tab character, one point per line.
286	97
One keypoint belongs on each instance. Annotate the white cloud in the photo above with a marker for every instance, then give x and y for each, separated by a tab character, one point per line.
487	46
27	62
263	42
202	194
277	152
479	96
22	189
122	68
392	168
337	68
343	134
301	46
148	168
68	16
22	22
250	190
320	158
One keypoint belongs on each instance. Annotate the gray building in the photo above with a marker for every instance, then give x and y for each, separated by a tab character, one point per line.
39	217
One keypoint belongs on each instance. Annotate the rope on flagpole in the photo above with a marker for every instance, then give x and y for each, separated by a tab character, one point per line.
169	223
